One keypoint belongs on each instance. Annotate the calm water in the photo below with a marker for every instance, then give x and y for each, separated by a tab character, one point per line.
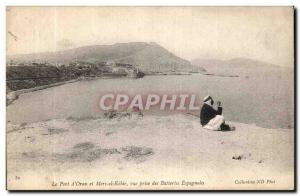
266	101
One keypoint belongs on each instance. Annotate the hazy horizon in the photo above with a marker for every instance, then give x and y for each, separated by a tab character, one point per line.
223	33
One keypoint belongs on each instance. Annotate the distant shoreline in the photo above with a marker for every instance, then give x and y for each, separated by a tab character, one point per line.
189	73
168	73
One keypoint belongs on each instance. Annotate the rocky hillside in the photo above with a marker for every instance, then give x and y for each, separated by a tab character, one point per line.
33	75
148	57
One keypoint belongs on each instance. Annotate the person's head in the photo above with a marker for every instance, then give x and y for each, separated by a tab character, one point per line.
208	100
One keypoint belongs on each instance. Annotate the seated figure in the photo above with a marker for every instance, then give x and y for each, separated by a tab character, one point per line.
212	119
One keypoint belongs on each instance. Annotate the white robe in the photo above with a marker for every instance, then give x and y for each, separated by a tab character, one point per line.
215	123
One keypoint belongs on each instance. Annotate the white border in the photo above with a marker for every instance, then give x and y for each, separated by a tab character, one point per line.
5	3
152	2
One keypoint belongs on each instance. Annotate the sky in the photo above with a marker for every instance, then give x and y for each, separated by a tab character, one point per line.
261	33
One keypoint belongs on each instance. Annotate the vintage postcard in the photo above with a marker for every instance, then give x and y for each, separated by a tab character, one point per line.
150	98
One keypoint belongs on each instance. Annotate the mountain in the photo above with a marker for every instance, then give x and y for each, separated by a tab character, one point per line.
240	66
146	56
233	63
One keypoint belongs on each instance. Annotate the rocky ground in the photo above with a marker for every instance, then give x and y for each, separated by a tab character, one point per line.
128	151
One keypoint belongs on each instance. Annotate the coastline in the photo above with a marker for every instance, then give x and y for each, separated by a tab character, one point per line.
14	95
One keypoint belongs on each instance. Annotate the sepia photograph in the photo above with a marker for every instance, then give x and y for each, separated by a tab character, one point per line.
157	98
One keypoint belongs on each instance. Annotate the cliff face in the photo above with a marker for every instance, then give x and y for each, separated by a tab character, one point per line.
33	75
